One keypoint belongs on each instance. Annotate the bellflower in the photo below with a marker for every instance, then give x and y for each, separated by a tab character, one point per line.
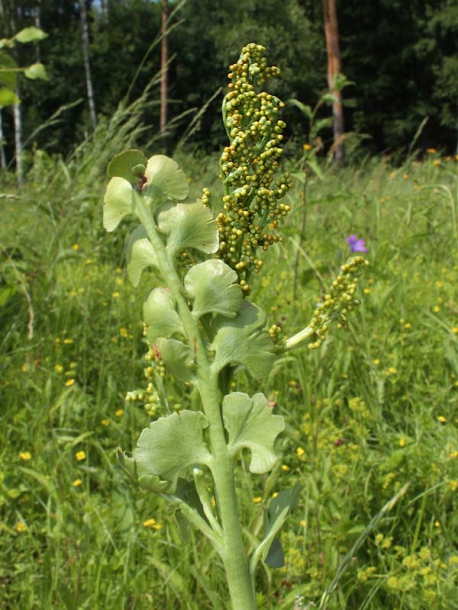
356	245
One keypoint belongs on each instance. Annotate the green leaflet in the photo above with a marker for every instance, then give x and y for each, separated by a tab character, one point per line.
167	449
120	200
244	341
122	165
178	358
250	423
165	180
160	315
188	225
213	287
140	254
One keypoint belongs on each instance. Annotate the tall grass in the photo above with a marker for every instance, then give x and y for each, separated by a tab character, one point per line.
371	416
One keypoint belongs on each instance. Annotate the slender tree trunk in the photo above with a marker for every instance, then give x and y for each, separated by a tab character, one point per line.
87	65
17	115
332	47
2	144
164	67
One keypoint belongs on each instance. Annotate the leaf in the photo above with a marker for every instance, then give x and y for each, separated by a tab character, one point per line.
160	315
275	557
305	109
275	515
8	74
170	446
250	423
243	340
140	254
151	482
8	97
31	34
188	225
35	71
213	287
122	165
178	358
120	200
165	180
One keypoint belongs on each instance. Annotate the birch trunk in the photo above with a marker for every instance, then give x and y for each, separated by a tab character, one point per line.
17	115
333	51
87	65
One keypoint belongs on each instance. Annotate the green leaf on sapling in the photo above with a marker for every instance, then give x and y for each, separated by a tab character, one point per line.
120	200
178	358
213	287
170	446
160	315
8	75
8	97
127	165
243	340
165	180
251	424
188	225
35	71
140	254
31	34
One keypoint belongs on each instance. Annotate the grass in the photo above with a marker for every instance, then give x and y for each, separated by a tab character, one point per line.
371	416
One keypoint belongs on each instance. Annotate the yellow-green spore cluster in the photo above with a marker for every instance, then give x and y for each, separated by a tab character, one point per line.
339	301
251	201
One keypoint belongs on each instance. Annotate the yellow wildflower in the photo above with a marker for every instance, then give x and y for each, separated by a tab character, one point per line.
25	455
152	523
80	455
257	499
69	383
20	527
119	412
77	482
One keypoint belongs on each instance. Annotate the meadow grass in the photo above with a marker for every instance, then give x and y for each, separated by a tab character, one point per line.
371	416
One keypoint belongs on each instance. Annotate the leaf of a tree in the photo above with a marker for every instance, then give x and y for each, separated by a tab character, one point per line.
8	97
36	71
31	34
250	423
213	287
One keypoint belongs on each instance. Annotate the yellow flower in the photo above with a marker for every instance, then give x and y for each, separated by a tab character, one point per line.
68	341
453	485
392	370
436	308
431	151
437	162
376	362
402	442
300	452
406	176
115	295
257	499
367	291
77	482
152	523
285	468
25	455
80	455
307	147
455	330
75	247
303	522
123	332
441	419
407	325
105	422
58	368
119	413
69	383
20	527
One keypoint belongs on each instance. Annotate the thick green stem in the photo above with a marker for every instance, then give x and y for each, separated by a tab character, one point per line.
241	588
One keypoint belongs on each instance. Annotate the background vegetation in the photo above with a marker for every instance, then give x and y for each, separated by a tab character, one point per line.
372	416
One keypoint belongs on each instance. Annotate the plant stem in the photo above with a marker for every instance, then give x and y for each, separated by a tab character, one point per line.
234	557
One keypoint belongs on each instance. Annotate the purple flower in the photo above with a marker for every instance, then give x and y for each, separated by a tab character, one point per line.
356	245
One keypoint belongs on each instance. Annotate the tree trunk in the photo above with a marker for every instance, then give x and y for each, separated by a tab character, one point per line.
332	47
87	65
18	139
164	67
2	144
